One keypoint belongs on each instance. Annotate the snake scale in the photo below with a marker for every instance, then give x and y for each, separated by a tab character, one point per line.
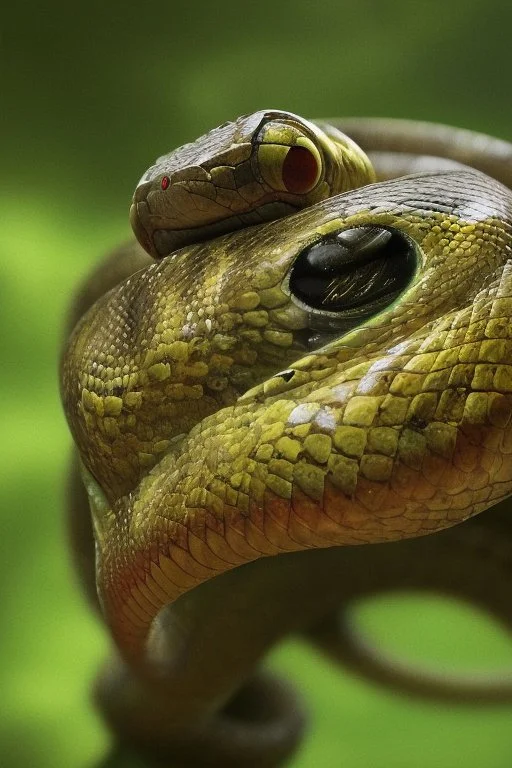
317	352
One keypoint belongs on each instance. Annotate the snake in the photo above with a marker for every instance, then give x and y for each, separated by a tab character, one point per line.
293	390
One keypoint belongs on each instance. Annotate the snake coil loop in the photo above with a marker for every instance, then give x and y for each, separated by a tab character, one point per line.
272	388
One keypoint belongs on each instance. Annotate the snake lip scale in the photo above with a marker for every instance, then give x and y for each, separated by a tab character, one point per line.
314	352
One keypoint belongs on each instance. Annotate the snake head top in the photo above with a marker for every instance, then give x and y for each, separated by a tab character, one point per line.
258	168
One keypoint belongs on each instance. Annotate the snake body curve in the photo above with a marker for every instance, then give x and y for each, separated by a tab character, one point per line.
220	419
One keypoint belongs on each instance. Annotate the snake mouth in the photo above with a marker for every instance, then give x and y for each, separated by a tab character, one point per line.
165	240
348	277
139	230
160	240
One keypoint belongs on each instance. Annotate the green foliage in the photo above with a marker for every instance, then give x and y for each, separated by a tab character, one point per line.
94	92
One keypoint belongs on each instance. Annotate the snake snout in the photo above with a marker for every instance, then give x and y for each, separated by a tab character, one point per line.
169	213
139	230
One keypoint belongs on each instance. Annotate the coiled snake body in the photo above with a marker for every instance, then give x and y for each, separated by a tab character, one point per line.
339	376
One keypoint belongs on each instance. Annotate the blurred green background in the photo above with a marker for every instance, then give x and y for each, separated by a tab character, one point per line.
91	94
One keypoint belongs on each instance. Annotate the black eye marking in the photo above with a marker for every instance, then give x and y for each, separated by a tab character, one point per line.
354	273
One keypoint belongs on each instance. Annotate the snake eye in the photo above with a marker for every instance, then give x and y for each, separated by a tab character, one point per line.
354	273
165	182
300	170
288	161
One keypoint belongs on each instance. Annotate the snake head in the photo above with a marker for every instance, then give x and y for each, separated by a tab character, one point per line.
258	168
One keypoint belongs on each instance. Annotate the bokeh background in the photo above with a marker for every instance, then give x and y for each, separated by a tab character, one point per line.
91	94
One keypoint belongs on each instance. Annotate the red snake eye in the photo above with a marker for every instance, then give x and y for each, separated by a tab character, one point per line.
165	182
300	170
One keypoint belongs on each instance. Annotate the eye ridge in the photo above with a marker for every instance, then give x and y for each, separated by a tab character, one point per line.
286	155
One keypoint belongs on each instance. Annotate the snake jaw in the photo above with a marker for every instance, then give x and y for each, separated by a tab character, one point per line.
190	211
138	213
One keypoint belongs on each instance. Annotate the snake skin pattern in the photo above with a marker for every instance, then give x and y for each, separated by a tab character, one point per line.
220	420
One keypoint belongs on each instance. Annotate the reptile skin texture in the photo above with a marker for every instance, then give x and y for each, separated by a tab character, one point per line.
221	421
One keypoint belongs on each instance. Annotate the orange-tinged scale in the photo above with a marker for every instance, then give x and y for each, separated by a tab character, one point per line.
257	517
493	439
309	515
196	522
220	546
305	537
344	511
454	481
176	574
178	533
504	474
490	461
146	605
153	592
234	519
214	523
259	541
134	606
183	558
239	544
201	552
133	618
165	584
423	489
466	455
278	535
304	507
403	480
278	508
461	500
337	506
373	495
478	480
